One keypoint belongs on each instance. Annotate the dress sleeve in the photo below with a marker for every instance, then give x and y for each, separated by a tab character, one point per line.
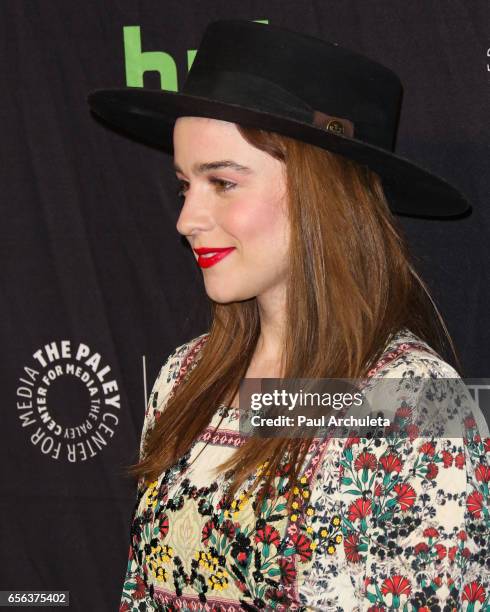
135	596
415	509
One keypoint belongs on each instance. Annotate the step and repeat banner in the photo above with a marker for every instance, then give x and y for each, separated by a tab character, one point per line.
97	286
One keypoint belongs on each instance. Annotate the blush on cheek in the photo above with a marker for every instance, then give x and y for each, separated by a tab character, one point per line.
247	221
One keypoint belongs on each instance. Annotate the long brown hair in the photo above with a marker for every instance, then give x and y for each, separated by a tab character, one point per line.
351	287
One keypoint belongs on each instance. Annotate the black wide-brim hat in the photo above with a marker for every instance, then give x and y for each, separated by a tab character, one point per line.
266	77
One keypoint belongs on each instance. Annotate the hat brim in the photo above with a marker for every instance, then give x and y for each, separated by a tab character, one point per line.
149	116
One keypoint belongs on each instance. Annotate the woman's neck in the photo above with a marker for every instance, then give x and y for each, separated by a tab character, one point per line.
270	344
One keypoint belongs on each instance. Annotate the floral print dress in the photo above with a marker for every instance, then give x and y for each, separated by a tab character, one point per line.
398	523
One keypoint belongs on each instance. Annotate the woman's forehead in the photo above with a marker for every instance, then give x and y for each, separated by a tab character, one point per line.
204	123
201	135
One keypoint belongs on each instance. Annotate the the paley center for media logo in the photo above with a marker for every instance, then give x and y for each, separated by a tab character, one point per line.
68	401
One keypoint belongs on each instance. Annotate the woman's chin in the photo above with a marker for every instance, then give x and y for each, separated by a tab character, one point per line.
225	295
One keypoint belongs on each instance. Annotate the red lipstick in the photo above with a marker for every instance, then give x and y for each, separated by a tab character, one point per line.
210	260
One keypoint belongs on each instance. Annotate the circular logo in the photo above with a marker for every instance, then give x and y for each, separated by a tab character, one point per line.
69	401
335	126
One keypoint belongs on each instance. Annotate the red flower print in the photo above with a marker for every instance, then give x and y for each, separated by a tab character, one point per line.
465	552
378	490
359	509
405	495
486	445
437	580
242	557
351	441
474	592
482	473
276	596
459	461
302	546
365	461
412	431
163	525
421	547
391	463
447	459
221	503
427	448
268	535
451	553
431	532
432	471
403	412
474	503
396	585
351	544
283	470
124	607
288	571
376	609
206	531
441	550
470	423
140	590
462	536
228	529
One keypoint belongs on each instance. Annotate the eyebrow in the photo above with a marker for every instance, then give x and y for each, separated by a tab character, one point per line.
216	165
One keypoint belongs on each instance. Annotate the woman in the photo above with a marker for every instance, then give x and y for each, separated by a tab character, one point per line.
309	277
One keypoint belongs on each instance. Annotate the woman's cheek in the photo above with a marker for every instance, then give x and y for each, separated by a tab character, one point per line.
244	221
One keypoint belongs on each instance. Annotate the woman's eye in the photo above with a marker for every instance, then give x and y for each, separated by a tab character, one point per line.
222	184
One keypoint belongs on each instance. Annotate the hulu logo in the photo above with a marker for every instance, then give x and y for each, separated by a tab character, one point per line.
137	61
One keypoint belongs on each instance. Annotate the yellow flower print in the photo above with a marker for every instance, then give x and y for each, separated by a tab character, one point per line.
303	480
261	468
219	580
159	555
309	530
161	574
167	553
152	494
336	521
313	545
206	560
331	549
237	506
310	511
324	533
157	570
338	538
202	557
294	517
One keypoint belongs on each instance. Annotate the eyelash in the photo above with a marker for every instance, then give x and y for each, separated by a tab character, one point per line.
221	183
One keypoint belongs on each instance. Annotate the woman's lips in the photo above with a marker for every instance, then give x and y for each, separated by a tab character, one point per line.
208	256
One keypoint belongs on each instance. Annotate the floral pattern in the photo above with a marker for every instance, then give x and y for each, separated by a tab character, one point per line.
376	524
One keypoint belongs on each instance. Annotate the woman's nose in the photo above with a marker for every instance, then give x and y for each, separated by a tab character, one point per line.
196	214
